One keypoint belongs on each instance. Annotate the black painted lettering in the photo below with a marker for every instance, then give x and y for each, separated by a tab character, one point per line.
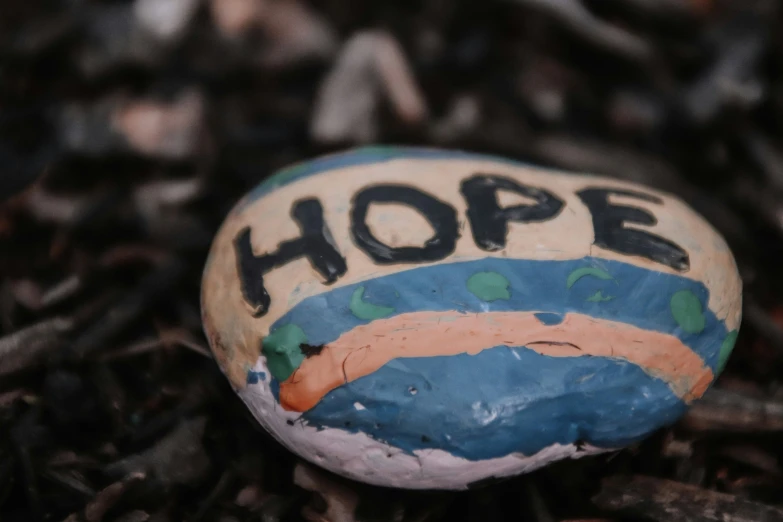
442	218
489	221
608	221
315	243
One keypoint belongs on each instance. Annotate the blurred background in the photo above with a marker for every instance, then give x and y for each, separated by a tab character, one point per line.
129	128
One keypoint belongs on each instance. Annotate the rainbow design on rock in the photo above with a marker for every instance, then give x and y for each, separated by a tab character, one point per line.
431	319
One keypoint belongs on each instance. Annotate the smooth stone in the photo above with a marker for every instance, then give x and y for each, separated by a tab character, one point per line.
424	318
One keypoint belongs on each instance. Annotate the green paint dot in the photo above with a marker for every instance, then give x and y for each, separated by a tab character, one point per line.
367	311
726	348
579	273
598	297
281	177
282	351
489	286
687	311
382	151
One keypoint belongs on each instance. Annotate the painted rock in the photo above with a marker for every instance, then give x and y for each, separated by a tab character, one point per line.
422	318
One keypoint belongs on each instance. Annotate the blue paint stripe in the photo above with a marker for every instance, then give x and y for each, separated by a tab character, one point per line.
363	156
640	297
500	401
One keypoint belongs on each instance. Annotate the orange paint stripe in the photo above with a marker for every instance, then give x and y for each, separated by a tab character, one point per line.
366	348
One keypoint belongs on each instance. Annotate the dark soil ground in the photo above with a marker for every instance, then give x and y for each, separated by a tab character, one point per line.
128	129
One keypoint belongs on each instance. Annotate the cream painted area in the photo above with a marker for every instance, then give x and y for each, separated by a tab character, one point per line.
510	199
398	225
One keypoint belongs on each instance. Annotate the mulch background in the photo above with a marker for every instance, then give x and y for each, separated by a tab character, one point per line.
127	133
